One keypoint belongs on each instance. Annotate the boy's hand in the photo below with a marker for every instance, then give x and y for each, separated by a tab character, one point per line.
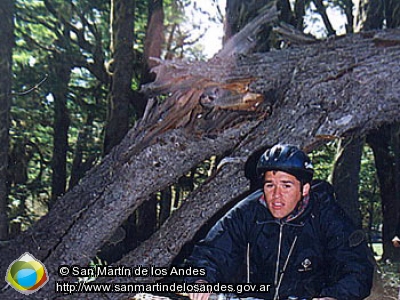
199	296
396	242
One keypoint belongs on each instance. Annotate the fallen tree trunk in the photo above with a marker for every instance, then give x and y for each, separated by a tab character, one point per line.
310	94
230	183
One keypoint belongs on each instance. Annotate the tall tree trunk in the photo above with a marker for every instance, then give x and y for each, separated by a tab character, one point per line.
392	13
79	165
154	41
346	177
374	14
239	13
165	205
61	73
385	144
348	11
146	222
322	11
7	43
300	12
383	141
122	23
380	13
146	215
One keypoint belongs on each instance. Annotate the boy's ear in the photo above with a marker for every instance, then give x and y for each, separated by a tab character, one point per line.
306	189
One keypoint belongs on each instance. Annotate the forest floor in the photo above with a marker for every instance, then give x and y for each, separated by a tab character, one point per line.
390	275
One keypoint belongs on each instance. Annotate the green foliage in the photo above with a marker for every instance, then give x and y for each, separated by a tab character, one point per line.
78	32
184	29
369	194
370	202
39	34
323	160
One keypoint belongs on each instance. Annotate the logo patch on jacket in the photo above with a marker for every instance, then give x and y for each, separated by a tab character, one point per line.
306	265
356	238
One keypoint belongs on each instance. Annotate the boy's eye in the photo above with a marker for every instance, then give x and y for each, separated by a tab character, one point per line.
282	186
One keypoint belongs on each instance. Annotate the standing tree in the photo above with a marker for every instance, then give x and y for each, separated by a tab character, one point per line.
346	172
7	38
385	141
385	144
121	68
346	176
60	42
60	74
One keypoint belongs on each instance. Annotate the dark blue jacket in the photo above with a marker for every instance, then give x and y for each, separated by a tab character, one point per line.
328	258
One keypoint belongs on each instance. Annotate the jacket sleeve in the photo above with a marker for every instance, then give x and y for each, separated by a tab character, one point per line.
350	262
223	249
398	229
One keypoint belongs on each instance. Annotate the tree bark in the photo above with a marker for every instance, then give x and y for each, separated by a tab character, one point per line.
392	12
374	15
322	11
348	11
80	165
378	15
385	145
154	41
61	70
122	72
7	38
146	215
346	177
338	88
240	13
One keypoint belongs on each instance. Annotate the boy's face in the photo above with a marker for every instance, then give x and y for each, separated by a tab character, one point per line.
282	192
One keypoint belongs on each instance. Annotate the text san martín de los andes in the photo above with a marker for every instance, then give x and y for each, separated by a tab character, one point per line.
126	271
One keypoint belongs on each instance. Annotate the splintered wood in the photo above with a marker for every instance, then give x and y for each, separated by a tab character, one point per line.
198	103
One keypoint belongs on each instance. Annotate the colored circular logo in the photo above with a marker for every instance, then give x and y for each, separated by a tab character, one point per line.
27	274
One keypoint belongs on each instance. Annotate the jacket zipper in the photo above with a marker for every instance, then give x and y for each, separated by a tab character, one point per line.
278	275
279	255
